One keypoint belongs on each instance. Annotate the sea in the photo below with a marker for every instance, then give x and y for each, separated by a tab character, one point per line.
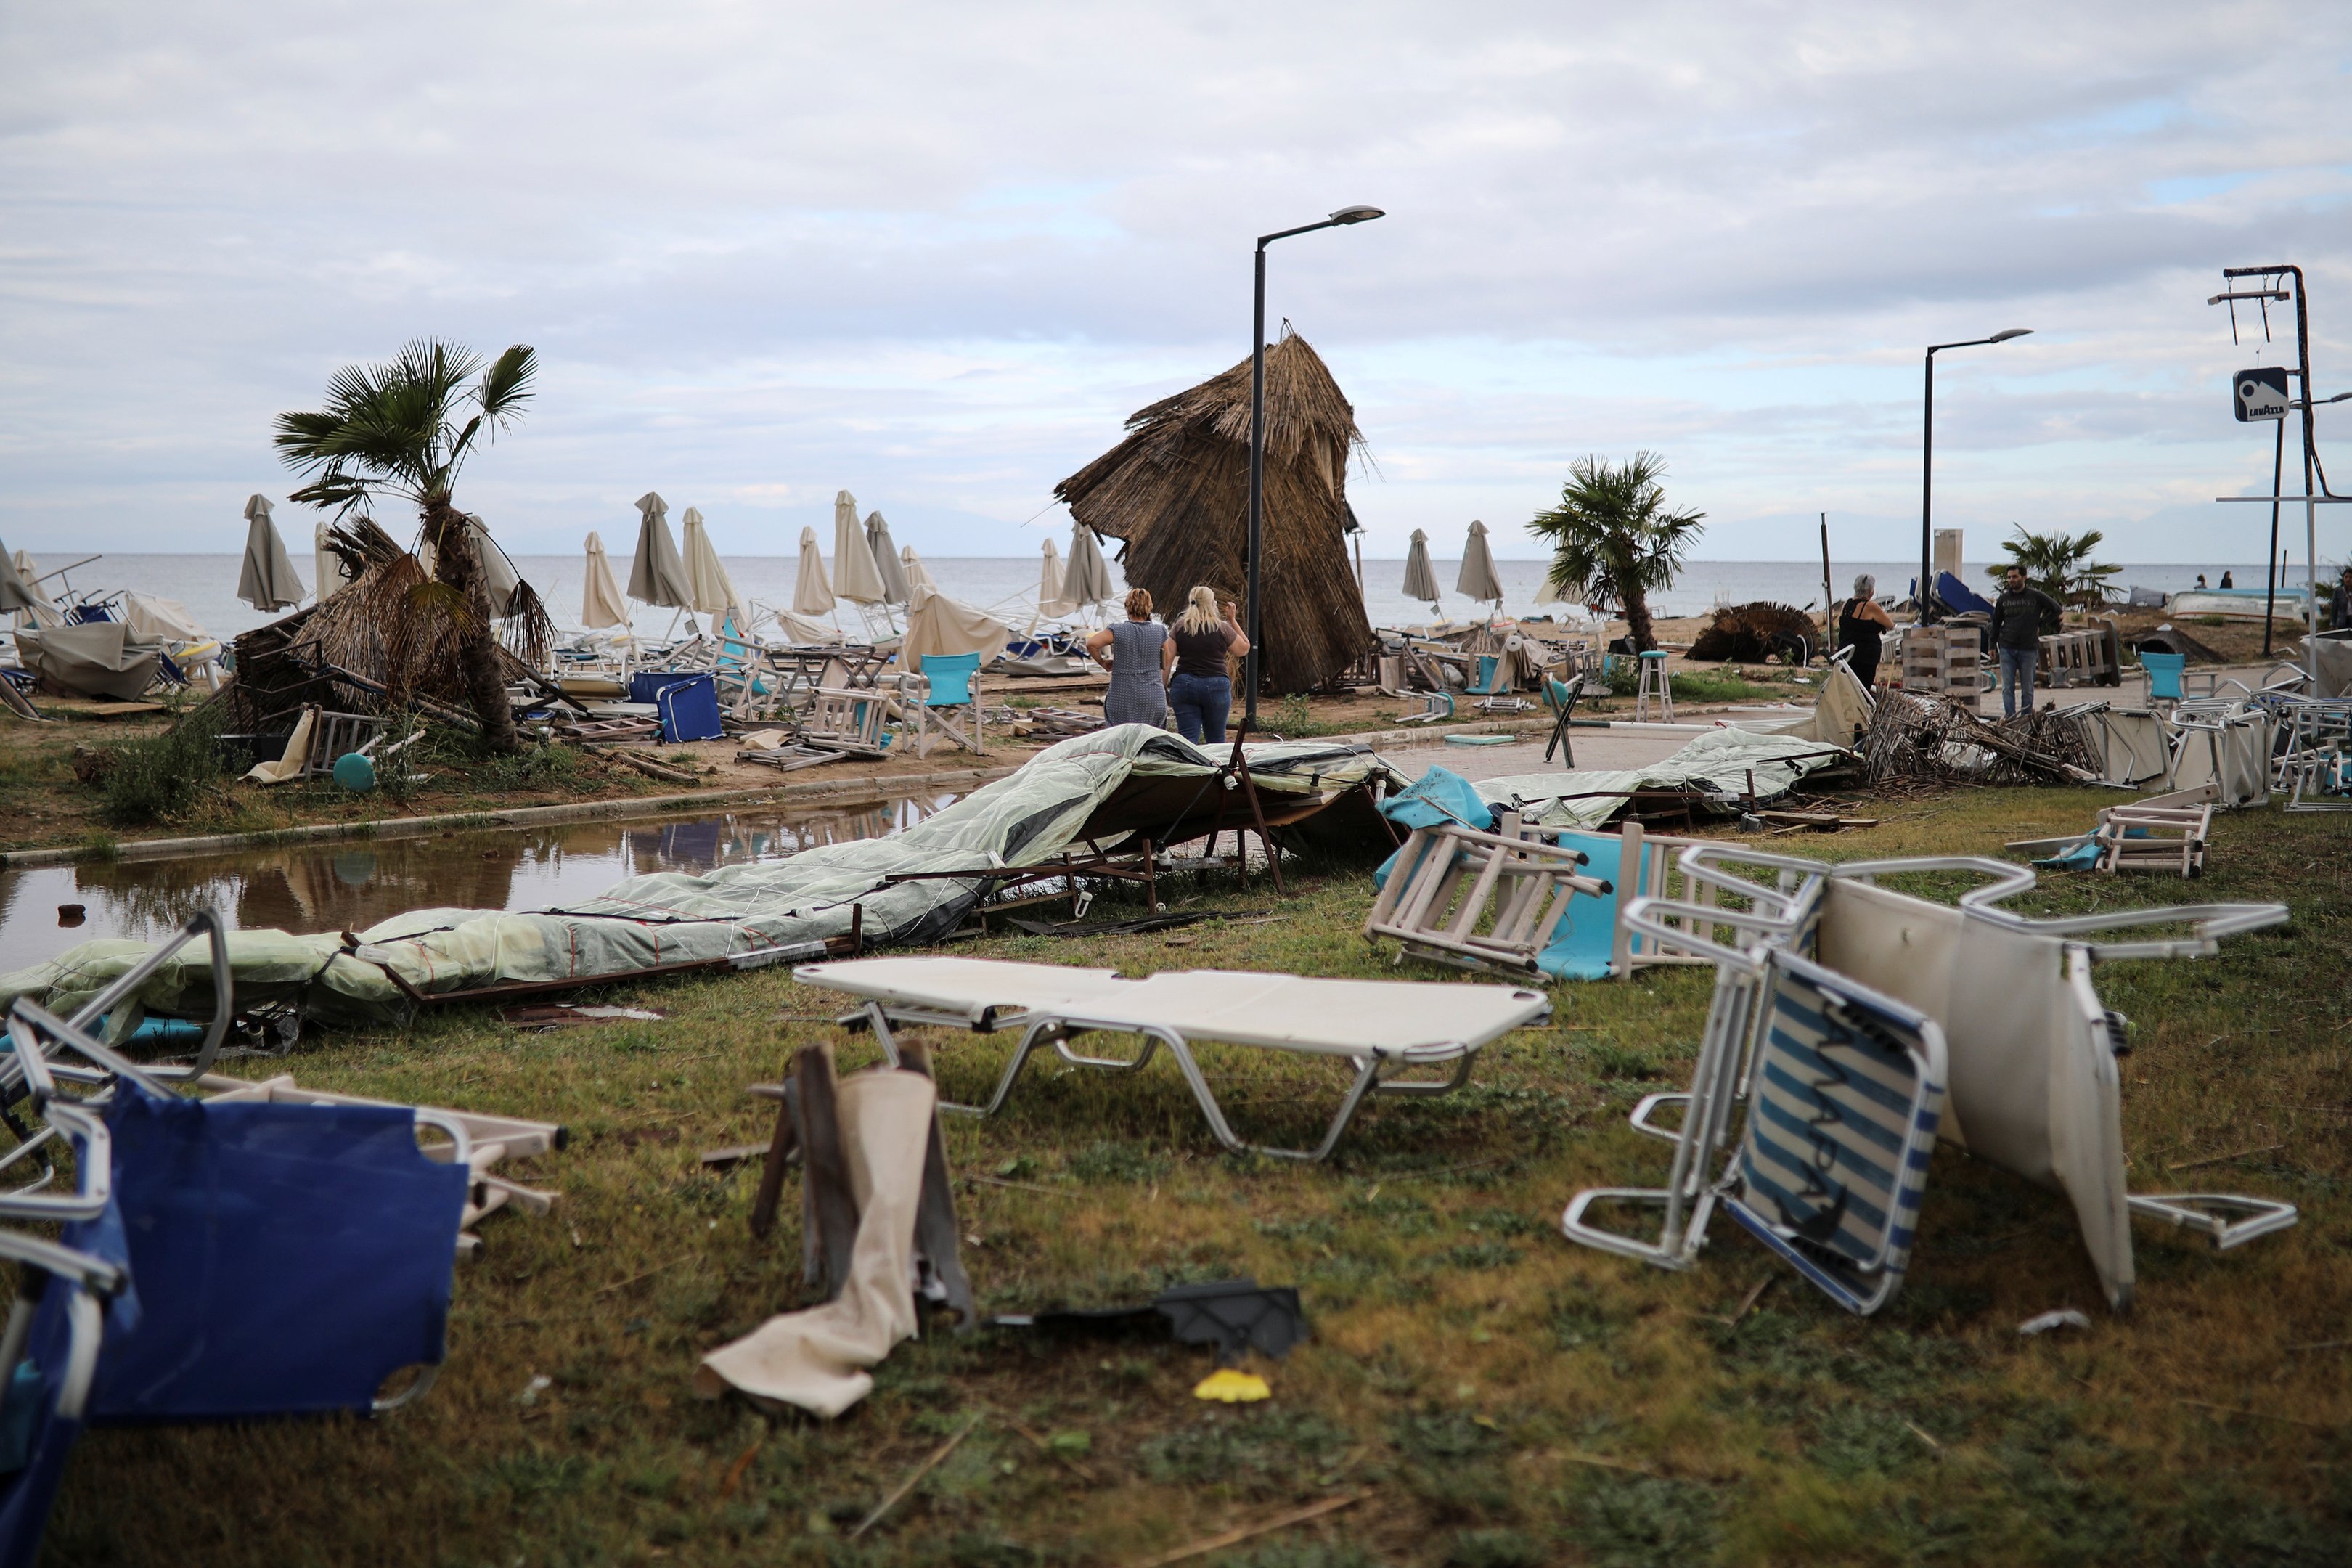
1007	585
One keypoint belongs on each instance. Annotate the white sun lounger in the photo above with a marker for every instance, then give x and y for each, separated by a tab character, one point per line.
1381	1027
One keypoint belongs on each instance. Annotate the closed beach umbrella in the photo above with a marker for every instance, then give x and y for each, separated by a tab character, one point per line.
1086	580
1549	593
937	623
709	589
600	601
854	575
1419	580
1050	599
812	594
917	574
324	564
15	587
885	550
1478	579
500	578
266	581
657	576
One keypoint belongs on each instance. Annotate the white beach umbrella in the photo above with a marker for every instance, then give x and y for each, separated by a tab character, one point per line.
937	623
801	630
1478	579
917	574
885	550
1086	580
707	585
811	593
600	600
325	565
500	578
855	577
266	579
16	583
1050	597
657	576
1550	593
1420	578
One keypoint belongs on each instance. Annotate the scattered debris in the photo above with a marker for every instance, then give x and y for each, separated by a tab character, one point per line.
912	1481
1921	735
1240	1533
556	1015
1751	634
1227	1386
1234	1315
2065	1318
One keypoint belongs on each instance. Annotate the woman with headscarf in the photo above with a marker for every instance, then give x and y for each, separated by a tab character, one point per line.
1200	690
1138	655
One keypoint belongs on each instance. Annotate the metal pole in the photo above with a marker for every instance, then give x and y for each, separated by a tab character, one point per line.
2270	570
1256	489
1926	475
1829	595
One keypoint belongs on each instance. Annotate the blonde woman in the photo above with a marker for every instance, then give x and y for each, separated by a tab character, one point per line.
1199	688
1137	654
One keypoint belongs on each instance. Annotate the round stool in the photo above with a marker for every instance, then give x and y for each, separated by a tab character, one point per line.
1654	682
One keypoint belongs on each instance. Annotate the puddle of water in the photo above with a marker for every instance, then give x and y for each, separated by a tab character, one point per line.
350	885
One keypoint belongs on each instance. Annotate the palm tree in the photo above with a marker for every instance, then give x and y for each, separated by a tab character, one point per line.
401	431
2060	564
1612	537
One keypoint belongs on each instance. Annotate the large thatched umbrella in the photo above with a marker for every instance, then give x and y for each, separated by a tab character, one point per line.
1177	491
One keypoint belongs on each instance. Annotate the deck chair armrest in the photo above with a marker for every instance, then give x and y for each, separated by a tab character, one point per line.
1649	915
1638	1117
1705	864
2210	1214
2007	879
2212	922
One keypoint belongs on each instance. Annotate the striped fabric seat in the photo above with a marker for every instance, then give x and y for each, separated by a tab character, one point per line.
1847	1091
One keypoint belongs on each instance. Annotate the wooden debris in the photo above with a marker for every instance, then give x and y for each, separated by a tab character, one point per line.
925	1469
1248	1531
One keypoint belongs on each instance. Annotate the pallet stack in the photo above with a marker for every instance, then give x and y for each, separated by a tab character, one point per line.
1946	658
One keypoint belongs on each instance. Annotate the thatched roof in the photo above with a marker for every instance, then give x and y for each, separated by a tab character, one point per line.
1177	493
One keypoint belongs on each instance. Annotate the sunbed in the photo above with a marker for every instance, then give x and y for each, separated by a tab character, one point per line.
1380	1027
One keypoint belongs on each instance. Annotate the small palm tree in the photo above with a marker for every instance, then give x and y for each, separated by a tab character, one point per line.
1612	537
402	431
2060	564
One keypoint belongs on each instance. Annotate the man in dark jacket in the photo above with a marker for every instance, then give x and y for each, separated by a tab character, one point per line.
2339	604
2017	617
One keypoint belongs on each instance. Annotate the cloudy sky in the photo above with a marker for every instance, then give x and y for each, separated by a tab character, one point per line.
936	253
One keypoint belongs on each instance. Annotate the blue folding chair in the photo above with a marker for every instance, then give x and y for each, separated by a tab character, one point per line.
2164	671
944	701
216	1262
688	711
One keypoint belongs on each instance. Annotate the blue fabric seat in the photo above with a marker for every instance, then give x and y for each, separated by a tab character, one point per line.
2164	671
689	710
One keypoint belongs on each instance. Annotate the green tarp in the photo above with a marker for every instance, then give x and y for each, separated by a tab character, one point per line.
748	915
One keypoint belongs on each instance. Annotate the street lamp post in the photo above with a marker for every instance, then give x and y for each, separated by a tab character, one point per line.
1344	216
1927	465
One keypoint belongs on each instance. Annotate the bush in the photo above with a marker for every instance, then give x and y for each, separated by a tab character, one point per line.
157	778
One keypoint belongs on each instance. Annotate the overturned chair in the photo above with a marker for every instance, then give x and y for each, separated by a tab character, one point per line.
1379	1027
2028	1067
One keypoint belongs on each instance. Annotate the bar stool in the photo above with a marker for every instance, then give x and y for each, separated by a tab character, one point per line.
1654	681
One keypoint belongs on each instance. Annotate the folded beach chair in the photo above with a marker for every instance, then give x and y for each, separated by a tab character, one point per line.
1379	1027
1500	900
2033	1085
1560	697
216	1262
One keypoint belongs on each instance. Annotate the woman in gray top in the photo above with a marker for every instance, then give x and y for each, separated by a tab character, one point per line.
1139	654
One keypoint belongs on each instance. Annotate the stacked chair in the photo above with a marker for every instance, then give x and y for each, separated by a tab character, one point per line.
1853	1026
215	1259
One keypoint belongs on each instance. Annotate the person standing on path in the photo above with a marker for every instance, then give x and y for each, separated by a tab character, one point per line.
2017	620
1861	622
2339	604
1138	655
1201	691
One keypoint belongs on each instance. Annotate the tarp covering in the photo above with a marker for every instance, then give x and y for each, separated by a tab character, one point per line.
746	915
1718	763
100	658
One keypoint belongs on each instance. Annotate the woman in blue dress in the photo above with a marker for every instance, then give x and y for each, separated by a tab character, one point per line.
1138	655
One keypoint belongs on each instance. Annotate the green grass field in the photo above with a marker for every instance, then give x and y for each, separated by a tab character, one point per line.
1487	1393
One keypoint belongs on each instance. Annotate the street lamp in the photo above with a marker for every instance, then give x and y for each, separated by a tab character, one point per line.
1927	463
1339	219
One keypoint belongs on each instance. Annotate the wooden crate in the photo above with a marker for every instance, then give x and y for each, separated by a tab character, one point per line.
1942	659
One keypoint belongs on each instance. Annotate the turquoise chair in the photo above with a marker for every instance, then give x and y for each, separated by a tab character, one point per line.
949	695
2164	676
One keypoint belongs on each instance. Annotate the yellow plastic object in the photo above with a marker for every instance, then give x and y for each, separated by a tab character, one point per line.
1233	1387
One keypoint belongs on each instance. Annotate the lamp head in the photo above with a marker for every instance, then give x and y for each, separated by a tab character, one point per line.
1356	215
2003	336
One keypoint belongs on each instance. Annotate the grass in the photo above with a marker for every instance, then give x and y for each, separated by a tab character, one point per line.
1498	1397
163	777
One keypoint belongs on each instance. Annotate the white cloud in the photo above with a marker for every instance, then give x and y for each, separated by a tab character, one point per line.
937	253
